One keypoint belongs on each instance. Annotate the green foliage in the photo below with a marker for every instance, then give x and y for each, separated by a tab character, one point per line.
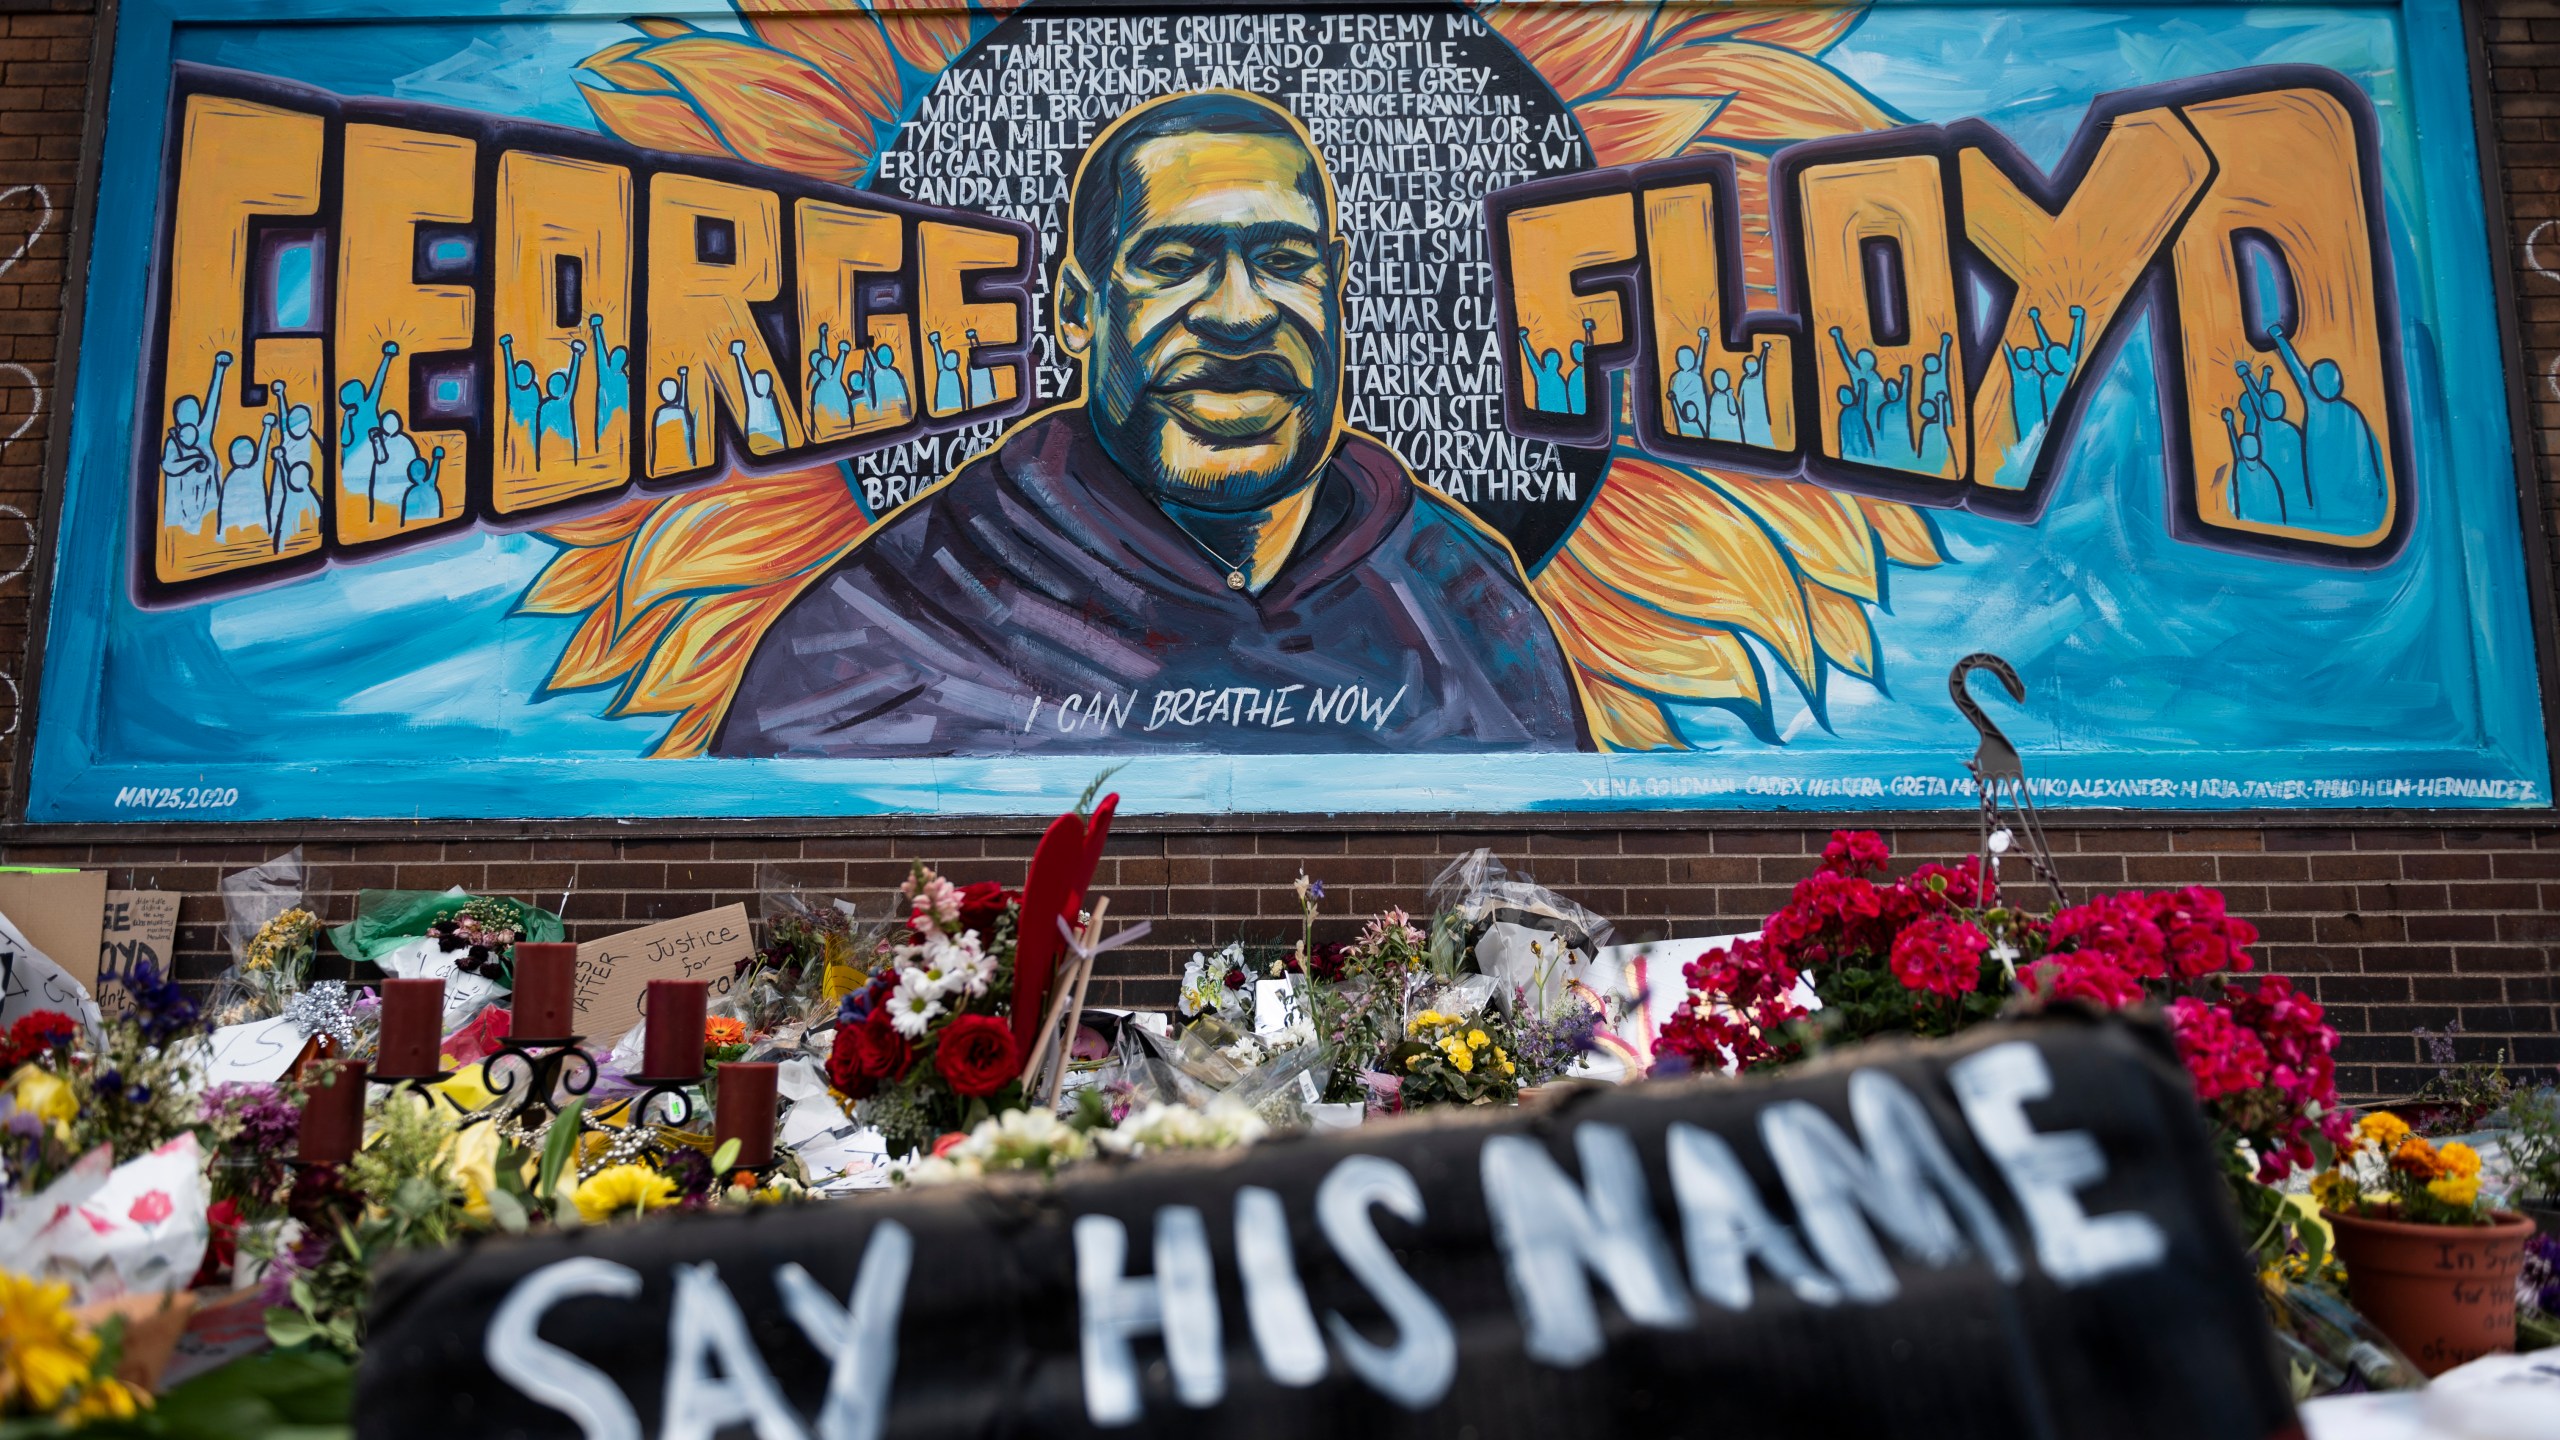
2533	1144
295	1394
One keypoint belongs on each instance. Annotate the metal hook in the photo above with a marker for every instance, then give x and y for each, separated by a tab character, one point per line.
1995	758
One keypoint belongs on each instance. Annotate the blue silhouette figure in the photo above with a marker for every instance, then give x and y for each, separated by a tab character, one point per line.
1934	370
2255	495
2059	360
1546	378
2342	460
2026	388
524	401
1755	399
830	404
1893	424
2262	413
948	393
1857	442
1868	380
557	412
423	500
244	486
888	386
764	417
361	405
1933	436
1688	395
188	473
1579	396
672	410
982	379
613	379
1724	413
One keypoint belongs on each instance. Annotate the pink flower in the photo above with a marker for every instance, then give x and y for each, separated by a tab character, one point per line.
151	1208
1740	1000
1855	852
2122	927
2092	976
2200	938
1940	955
2224	1058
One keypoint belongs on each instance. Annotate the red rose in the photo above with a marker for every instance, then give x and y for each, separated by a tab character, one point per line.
982	904
977	1055
222	1243
868	1054
844	1064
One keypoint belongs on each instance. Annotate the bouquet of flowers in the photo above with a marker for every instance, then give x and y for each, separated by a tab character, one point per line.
810	955
271	970
2389	1172
925	1047
1217	986
480	935
1451	1060
468	941
1358	997
1941	949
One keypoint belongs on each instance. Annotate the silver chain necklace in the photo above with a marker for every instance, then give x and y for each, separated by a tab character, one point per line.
1235	573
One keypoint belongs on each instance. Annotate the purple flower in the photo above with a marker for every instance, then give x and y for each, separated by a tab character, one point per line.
1315	889
2538	1283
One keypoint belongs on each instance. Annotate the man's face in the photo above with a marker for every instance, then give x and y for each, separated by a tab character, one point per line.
1213	341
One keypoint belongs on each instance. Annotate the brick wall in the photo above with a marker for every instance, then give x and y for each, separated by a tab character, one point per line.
2395	926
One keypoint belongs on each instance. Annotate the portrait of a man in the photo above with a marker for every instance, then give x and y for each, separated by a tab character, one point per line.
1196	552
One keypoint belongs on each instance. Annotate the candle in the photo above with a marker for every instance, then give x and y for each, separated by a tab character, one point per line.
412	1030
674	1043
545	1006
333	1113
746	1111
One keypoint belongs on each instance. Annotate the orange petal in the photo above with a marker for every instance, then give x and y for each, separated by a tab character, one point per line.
575	582
769	106
1823	530
840	38
746	531
930	34
1629	132
1909	538
661	28
1641	647
1842	630
653	122
688	737
605	526
1579	48
1660	536
1774	95
703	656
600	653
1805	30
1621	719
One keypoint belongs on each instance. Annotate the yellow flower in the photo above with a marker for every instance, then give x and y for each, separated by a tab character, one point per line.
1428	1020
471	1158
106	1398
2335	1191
44	1354
43	1094
1412	1060
2382	1128
2459	1191
617	1188
1477	1039
1458	1053
1507	1067
2460	1160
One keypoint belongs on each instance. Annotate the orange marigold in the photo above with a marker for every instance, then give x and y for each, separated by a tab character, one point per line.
724	1030
2416	1157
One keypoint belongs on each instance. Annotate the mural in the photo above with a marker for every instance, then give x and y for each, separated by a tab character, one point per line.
828	407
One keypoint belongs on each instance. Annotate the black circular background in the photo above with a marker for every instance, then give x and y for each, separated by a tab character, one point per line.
1416	375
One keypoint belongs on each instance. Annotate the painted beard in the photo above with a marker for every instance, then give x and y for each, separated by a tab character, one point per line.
1226	432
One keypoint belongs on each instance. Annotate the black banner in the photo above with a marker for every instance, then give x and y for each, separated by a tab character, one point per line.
2019	1233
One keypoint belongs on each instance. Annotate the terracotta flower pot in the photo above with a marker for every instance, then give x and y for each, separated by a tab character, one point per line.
2445	1294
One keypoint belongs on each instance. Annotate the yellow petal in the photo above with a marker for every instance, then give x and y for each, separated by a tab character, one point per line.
1823	531
1807	30
746	530
1628	132
1841	628
600	652
1640	647
1772	94
840	38
1907	535
1665	539
575	582
653	122
768	106
1579	48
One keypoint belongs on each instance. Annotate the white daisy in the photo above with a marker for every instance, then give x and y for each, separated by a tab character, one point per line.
914	1004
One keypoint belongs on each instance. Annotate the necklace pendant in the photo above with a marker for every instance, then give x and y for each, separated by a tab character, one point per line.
1235	579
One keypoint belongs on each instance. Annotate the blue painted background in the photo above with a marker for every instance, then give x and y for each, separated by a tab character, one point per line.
2160	674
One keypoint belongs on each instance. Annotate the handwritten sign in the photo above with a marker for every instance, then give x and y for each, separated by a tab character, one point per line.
139	925
613	973
255	1053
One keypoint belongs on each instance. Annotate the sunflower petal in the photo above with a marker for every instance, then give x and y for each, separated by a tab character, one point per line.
1661	536
769	106
1842	630
653	122
1774	95
745	531
605	527
843	39
1805	30
1641	647
1579	48
930	34
689	736
1621	719
1824	530
702	657
600	652
575	582
1908	537
1628	132
661	28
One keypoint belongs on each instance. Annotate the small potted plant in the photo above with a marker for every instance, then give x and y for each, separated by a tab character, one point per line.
2533	1156
2427	1261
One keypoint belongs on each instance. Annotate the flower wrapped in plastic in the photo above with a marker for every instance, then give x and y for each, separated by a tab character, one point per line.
273	941
468	941
925	1047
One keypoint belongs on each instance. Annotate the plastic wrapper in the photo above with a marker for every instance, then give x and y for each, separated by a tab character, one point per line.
1476	892
2331	1349
459	938
811	957
136	1229
273	940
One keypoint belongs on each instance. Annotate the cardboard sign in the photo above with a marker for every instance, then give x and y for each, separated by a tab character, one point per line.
255	1053
61	912
138	925
2019	1233
614	973
30	981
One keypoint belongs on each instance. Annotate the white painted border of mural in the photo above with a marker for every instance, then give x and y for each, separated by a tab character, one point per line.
313	658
